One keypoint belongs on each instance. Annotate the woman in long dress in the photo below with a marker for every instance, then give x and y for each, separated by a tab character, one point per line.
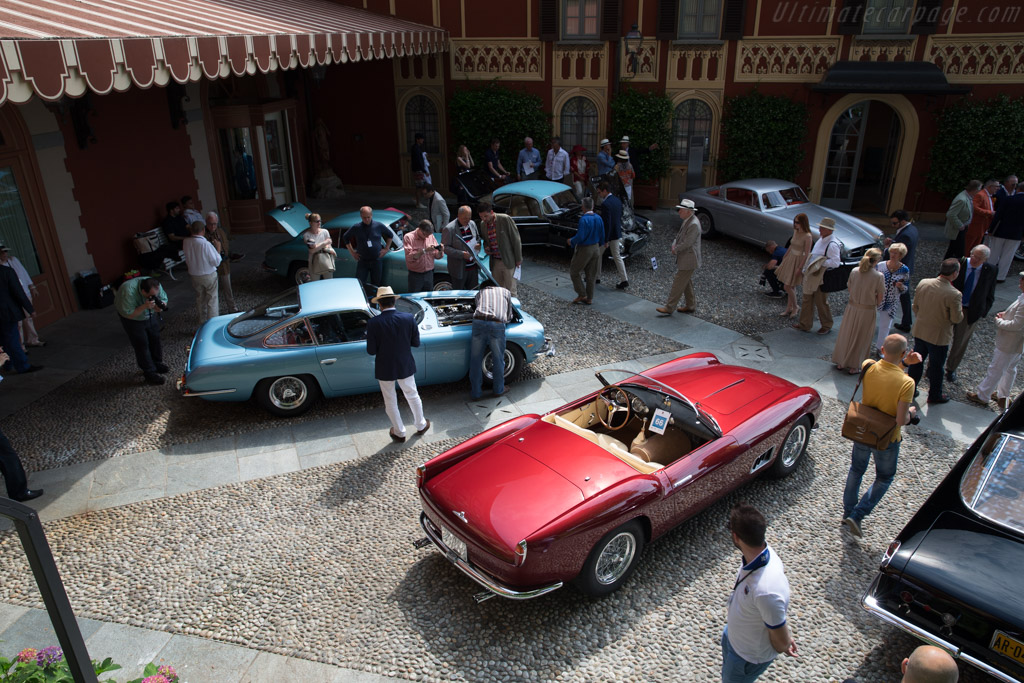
897	279
867	287
791	271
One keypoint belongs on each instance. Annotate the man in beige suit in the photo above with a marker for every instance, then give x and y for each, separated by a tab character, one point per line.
937	307
1002	371
826	254
686	247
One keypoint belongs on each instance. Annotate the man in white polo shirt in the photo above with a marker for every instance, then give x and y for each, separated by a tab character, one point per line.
756	630
202	257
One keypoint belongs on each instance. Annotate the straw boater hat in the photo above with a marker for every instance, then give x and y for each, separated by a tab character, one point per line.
604	142
622	154
625	138
828	223
383	293
686	204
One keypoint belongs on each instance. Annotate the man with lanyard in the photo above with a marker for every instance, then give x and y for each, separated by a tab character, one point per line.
138	303
825	255
460	241
757	629
528	164
364	242
589	243
493	312
500	237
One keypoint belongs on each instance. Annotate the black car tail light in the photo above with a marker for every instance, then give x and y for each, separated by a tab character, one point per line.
890	552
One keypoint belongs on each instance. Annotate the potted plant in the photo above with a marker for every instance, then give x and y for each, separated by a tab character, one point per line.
646	118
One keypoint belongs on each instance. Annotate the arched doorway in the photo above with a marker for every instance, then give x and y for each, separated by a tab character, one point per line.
26	225
864	153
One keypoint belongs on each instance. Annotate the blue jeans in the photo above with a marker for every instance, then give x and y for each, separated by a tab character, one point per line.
735	669
11	342
372	269
490	334
885	470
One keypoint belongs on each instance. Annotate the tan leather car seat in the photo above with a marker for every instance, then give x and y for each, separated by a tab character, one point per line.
661	448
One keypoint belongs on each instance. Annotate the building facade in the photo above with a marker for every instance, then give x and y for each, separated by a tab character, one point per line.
109	112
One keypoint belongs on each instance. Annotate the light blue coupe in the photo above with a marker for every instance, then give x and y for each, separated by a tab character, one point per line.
311	341
290	259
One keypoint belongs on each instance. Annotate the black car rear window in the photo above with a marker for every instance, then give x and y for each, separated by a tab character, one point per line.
993	485
281	307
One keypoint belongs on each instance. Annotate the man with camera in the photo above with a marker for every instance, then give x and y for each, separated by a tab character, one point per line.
139	302
768	276
887	388
421	250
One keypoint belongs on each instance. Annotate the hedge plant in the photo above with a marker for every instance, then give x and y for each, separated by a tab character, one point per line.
494	110
976	139
762	137
646	117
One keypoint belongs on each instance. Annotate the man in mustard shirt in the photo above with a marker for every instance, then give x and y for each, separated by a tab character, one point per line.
887	388
138	303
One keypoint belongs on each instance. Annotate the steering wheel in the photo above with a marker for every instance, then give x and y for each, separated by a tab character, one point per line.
616	401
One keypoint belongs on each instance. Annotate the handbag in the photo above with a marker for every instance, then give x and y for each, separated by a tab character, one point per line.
322	262
866	425
835	279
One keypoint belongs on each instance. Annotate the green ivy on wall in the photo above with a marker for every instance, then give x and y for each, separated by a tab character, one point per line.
976	139
646	118
496	111
762	137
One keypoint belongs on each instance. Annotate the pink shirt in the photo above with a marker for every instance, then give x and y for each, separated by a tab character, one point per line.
415	260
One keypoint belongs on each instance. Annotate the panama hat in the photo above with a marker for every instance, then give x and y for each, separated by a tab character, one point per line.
605	141
827	223
686	204
383	293
622	154
625	138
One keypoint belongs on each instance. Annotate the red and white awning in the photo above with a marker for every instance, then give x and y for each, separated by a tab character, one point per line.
53	48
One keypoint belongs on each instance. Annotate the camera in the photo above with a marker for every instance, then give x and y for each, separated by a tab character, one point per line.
915	420
159	303
763	281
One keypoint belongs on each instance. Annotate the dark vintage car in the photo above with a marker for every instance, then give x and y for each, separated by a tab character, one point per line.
952	577
576	494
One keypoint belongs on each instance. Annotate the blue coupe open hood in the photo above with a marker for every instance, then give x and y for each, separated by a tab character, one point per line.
291	217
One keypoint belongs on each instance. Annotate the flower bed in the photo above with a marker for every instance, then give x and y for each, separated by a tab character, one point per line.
49	666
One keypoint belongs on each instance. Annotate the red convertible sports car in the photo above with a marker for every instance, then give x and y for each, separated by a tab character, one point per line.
576	494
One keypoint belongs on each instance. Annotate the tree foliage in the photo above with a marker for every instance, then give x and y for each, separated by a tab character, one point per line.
762	137
479	114
646	118
976	139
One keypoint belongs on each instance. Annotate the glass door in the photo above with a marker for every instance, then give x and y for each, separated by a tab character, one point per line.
275	128
844	151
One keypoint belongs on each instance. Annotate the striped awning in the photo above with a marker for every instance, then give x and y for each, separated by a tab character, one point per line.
53	48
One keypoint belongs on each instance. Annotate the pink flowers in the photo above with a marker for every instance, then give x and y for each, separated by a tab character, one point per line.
165	674
158	678
27	655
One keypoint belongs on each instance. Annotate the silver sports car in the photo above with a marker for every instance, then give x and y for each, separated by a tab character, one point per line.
762	209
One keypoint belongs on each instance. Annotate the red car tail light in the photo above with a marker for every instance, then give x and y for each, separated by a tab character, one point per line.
521	553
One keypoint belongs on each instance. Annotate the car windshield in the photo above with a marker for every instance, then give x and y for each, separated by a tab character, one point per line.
993	484
281	307
561	201
780	199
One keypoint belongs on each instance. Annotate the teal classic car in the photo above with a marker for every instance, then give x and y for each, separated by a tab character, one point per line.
291	258
310	341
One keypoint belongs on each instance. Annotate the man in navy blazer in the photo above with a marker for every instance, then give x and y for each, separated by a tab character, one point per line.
906	233
1005	233
390	338
611	213
13	304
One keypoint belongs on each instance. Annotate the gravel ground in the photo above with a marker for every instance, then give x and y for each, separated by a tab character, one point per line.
320	564
118	414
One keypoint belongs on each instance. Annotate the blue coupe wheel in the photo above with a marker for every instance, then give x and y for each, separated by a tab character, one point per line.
287	396
514	361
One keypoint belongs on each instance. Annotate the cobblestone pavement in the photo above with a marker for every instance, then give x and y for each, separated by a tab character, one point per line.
319	564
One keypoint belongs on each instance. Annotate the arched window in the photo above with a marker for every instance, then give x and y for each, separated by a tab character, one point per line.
579	124
692	117
421	117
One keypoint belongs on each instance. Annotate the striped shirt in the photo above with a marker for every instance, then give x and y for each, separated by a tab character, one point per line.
494	304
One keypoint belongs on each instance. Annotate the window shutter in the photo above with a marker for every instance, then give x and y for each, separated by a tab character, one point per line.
548	20
926	16
611	20
851	17
734	14
667	16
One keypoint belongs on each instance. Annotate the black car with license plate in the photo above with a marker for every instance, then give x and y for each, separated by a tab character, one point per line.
953	576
